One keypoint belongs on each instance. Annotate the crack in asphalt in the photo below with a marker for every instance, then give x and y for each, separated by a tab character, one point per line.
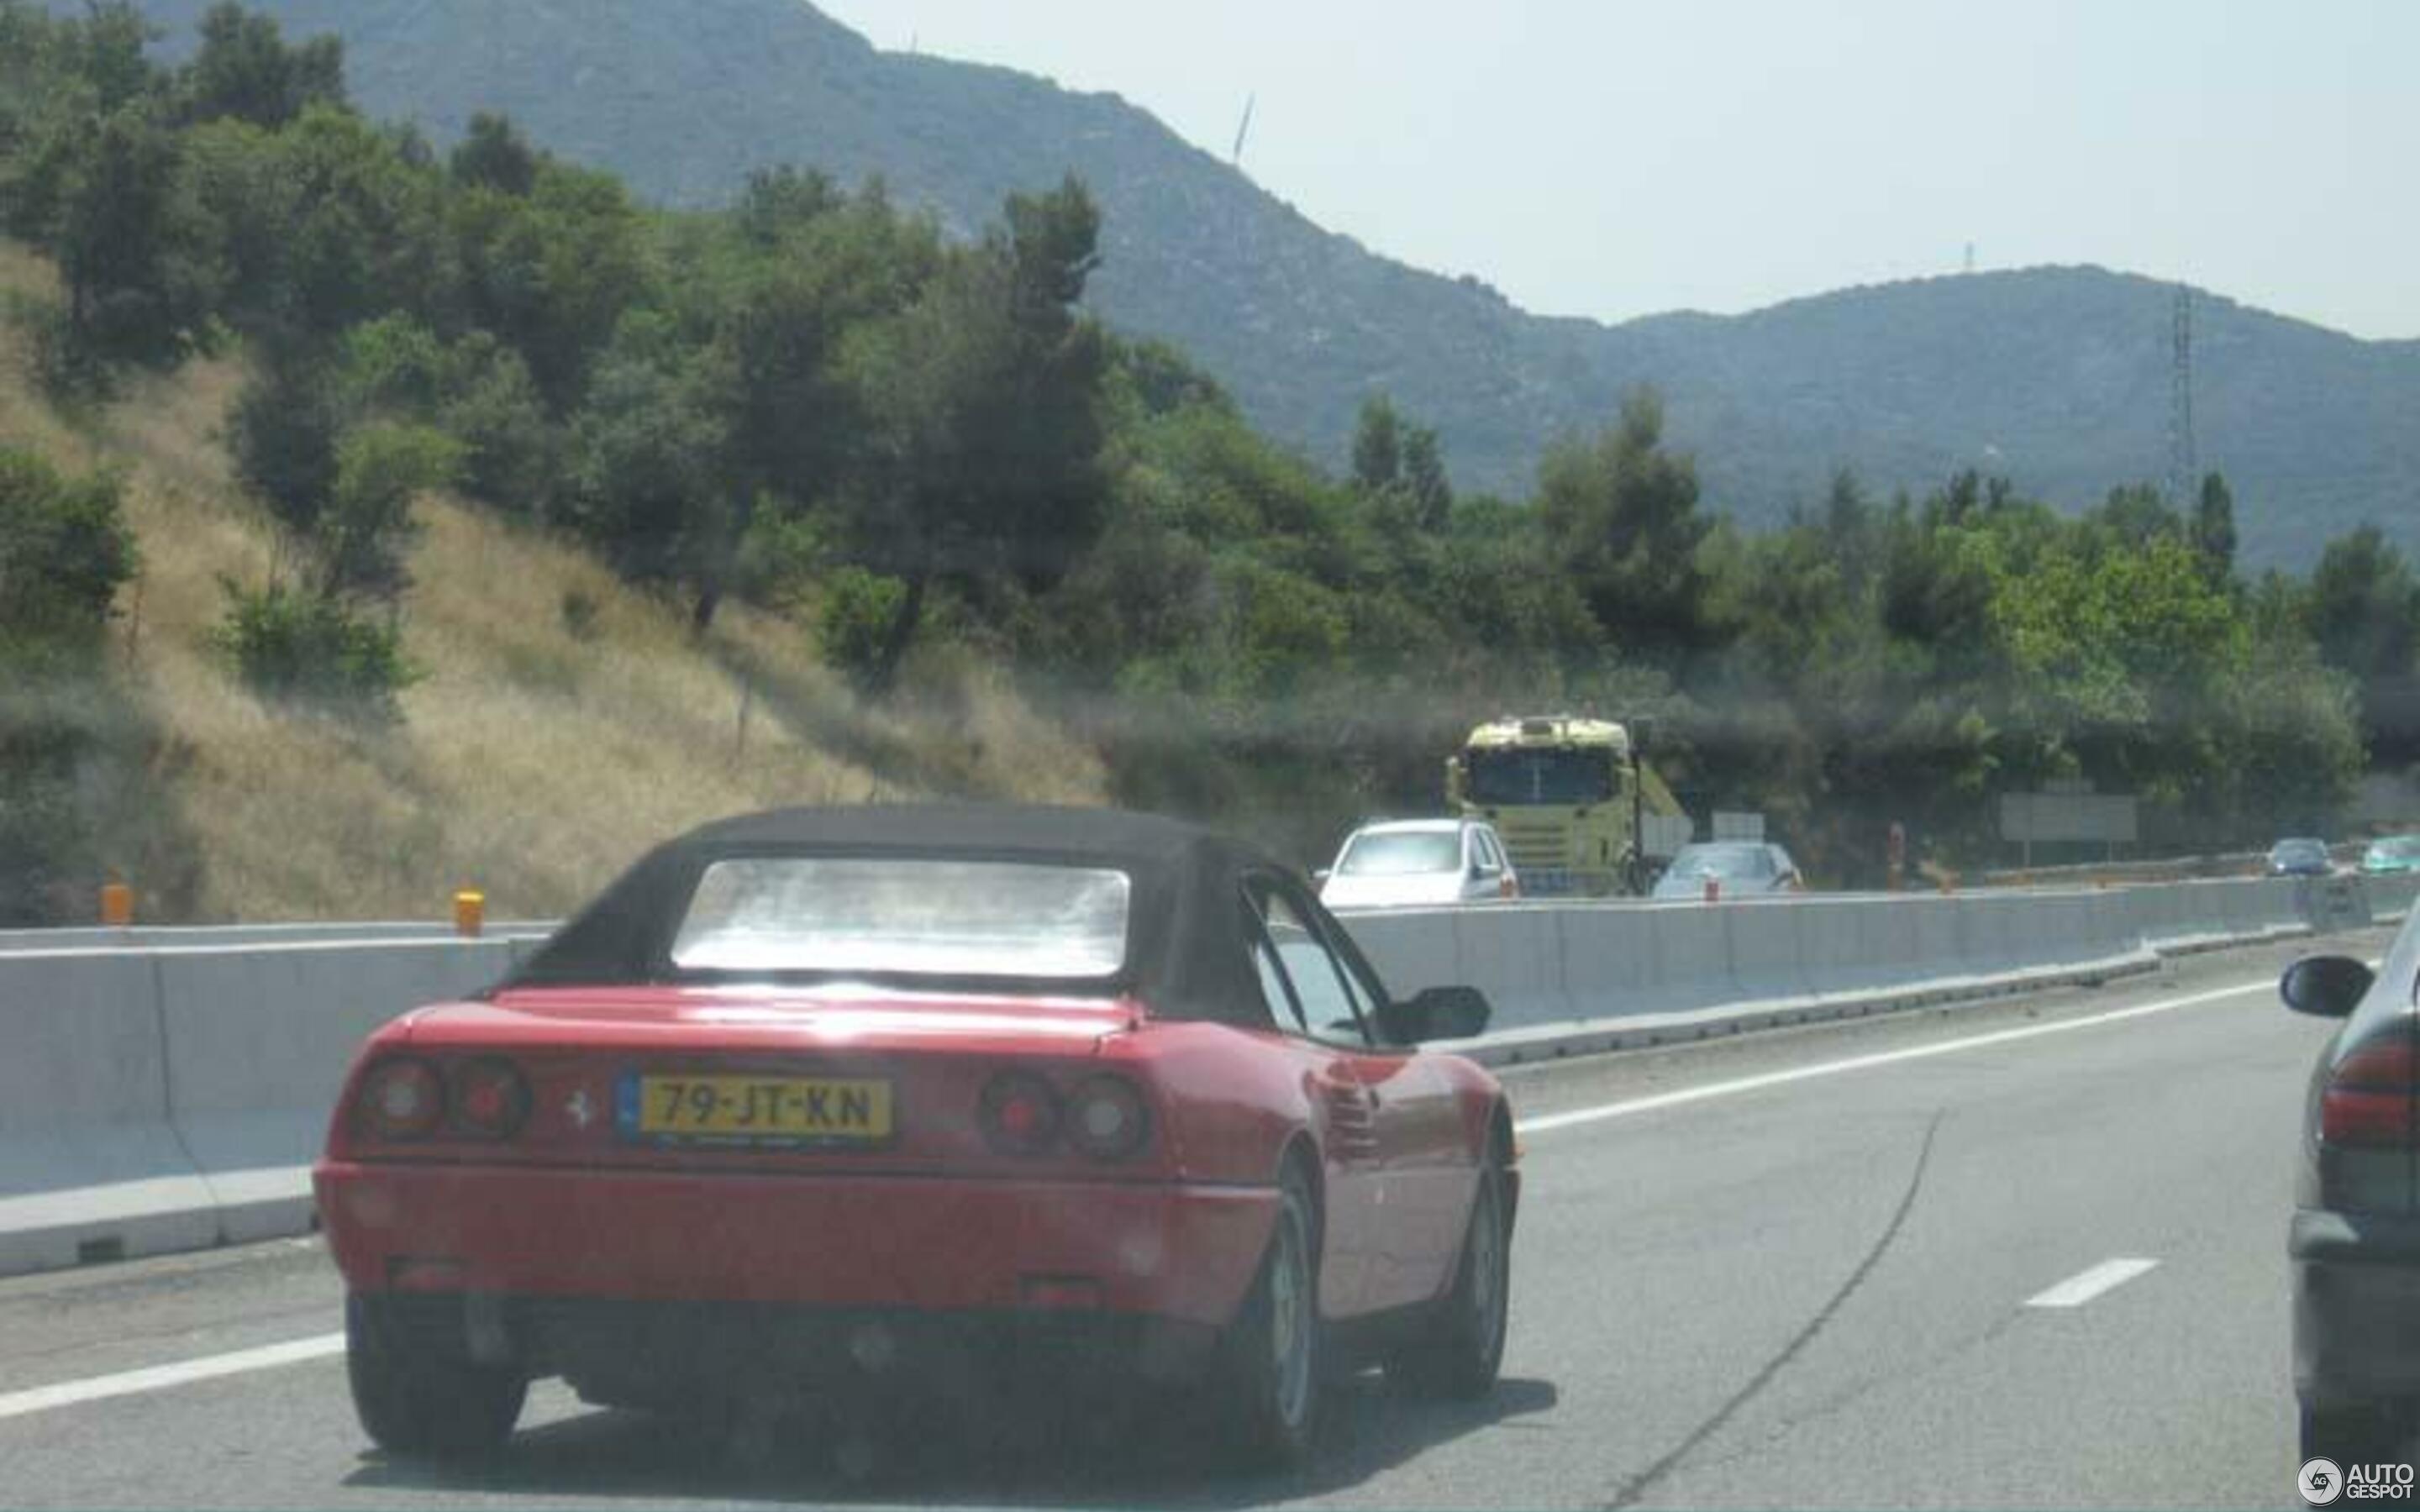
1628	1493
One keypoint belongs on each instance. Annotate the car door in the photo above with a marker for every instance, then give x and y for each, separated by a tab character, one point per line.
1483	871
1425	1169
1508	881
1353	1173
1785	870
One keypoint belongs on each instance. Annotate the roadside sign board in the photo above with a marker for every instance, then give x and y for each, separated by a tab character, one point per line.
2029	817
1730	824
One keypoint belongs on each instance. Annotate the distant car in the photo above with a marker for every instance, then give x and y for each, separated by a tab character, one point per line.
2355	1236
1409	861
1740	868
832	1104
2392	853
2300	858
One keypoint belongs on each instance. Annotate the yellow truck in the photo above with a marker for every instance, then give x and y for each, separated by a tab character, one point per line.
1571	799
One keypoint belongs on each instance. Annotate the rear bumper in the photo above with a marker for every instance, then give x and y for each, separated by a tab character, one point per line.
676	1355
2356	1306
1186	1253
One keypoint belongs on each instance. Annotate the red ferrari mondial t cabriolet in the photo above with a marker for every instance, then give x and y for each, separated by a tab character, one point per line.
825	1100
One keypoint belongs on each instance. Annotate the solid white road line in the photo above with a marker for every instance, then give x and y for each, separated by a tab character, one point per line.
156	1378
1547	1123
2086	1284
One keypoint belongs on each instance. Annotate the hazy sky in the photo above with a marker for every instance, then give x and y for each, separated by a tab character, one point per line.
1610	158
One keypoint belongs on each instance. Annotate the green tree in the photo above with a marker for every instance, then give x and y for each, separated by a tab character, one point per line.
104	192
363	235
809	268
1424	476
2135	515
2364	614
283	432
474	389
982	397
1377	445
494	154
2214	526
551	270
245	69
651	469
1622	511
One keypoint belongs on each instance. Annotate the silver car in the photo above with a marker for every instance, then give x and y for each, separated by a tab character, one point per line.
1407	862
1738	868
2355	1237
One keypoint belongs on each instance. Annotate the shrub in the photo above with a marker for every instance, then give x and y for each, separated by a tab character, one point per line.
313	650
369	527
858	609
579	613
63	550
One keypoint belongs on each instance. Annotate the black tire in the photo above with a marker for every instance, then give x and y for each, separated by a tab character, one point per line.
1273	1361
2360	1434
1462	1346
417	1397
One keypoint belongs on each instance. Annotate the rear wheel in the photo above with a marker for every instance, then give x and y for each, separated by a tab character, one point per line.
1270	1373
1463	1346
2362	1433
424	1396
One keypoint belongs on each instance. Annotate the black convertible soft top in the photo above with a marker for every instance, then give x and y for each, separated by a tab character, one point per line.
1186	952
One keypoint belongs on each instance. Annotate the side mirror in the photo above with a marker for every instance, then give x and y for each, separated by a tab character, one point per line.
1322	874
1435	1013
2325	986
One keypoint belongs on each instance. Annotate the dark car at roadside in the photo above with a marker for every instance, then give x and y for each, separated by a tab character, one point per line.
2354	1239
2300	857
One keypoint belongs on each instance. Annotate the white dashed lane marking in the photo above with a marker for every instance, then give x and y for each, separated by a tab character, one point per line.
2083	1286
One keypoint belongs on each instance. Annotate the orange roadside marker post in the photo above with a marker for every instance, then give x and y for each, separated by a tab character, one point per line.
469	912
116	904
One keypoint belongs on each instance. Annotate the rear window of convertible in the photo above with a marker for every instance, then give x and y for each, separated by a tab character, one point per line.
906	915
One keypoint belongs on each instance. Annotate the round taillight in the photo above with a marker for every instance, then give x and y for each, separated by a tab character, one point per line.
1107	1117
1020	1114
401	1099
490	1098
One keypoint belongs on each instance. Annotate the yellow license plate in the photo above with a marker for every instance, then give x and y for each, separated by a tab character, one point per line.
755	1108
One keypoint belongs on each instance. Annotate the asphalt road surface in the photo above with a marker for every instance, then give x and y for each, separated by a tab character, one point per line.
2029	1254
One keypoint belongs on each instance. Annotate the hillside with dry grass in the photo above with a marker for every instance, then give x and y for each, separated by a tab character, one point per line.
563	722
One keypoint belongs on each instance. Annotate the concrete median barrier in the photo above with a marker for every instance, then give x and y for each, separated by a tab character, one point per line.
172	1098
1768	955
1849	945
1412	947
258	1044
1610	957
1693	958
166	1096
2391	895
1519	952
89	1166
